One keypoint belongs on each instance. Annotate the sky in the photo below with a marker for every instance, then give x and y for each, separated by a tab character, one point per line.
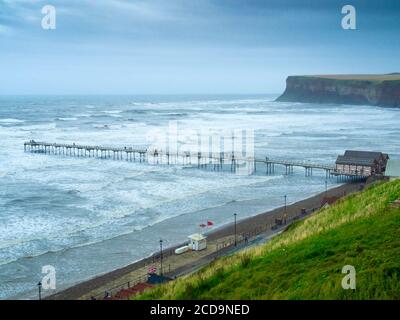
189	46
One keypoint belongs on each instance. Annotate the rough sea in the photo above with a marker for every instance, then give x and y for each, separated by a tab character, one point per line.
88	216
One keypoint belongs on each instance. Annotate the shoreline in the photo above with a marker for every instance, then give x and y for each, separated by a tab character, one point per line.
257	225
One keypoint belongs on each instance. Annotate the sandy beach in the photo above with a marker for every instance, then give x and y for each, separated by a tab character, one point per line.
258	228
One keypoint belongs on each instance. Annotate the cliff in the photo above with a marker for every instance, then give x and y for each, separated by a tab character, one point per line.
376	90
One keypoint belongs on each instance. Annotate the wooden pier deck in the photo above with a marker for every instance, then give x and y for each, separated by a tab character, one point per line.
215	161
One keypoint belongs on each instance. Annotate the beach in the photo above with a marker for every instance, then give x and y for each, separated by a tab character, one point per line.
220	242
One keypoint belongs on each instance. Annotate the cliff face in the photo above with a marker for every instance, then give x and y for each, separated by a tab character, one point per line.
378	91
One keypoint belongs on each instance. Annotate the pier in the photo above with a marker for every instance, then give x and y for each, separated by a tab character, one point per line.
209	160
289	165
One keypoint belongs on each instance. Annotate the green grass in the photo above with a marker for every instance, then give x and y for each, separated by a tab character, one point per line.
306	261
360	77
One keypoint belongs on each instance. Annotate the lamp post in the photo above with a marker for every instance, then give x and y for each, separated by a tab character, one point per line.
234	215
161	258
326	188
285	196
40	290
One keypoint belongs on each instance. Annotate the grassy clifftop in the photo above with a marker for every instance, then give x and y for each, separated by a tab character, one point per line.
306	261
360	77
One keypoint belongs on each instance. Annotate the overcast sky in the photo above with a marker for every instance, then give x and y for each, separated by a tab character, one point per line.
189	46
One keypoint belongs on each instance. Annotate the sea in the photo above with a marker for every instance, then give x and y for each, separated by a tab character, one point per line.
88	216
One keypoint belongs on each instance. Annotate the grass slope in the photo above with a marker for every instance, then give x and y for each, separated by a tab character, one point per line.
306	261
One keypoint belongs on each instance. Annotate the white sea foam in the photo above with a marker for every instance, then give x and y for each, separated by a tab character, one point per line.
39	127
67	119
112	111
11	120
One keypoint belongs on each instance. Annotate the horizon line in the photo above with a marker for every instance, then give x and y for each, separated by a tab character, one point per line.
133	94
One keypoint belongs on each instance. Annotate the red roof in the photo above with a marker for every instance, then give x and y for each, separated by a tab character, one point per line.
132	291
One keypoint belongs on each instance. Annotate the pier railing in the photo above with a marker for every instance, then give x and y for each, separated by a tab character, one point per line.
211	160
